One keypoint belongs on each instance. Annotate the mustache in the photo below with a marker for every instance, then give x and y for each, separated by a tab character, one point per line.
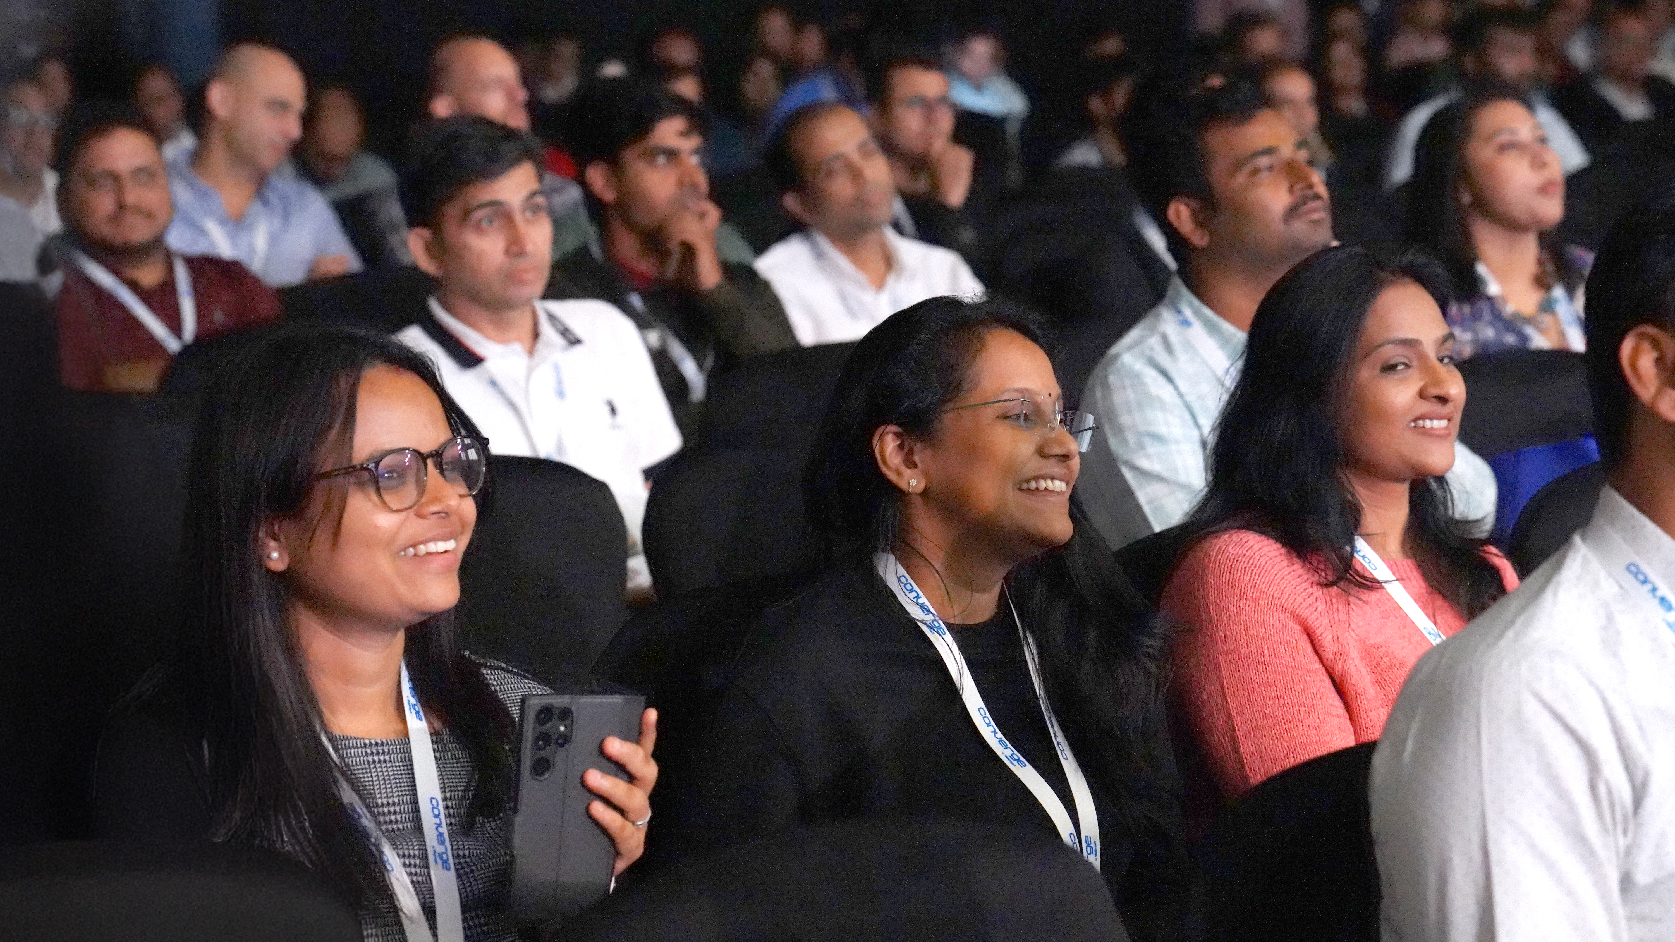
1303	202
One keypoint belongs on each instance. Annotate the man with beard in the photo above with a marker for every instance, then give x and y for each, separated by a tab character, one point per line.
230	202
1232	184
847	270
657	257
127	304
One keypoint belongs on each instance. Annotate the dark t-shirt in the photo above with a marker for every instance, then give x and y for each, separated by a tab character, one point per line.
102	347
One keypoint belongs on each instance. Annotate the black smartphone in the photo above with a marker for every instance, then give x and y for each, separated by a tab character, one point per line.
561	858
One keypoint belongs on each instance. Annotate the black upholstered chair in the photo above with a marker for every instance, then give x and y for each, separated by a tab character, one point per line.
1294	858
385	299
868	879
729	514
541	585
103	892
1556	512
772	398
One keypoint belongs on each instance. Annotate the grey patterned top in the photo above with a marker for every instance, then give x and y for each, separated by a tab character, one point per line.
382	772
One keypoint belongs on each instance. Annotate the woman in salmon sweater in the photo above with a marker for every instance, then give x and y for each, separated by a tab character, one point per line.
1324	559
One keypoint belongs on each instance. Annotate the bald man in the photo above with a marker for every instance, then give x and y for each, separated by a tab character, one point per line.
229	201
474	75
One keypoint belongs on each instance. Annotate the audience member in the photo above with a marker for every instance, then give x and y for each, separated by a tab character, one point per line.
1326	482
775	34
847	270
760	86
1519	791
657	257
978	82
554	70
26	141
157	96
1493	45
20	244
1420	37
1108	85
725	152
1290	90
971	652
567	381
1345	20
127	304
474	75
1486	196
229	201
674	49
811	79
52	76
946	196
1231	184
360	186
1621	91
1252	36
1289	21
1562	30
320	706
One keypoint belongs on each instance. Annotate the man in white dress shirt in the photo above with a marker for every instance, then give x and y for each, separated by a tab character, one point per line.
1524	787
847	269
567	381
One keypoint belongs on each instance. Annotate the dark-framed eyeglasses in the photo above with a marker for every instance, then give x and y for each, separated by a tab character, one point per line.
1033	416
401	475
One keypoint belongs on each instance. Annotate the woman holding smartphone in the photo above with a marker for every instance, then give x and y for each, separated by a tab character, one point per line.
321	705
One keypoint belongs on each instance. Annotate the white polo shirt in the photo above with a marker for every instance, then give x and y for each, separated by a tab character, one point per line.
586	396
828	300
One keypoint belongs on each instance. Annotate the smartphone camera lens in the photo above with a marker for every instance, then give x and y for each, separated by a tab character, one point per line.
543	740
561	731
541	767
543	716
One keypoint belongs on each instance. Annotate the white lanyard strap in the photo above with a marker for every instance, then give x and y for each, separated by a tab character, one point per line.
1199	337
1633	577
659	337
1086	841
224	244
1381	572
184	296
450	926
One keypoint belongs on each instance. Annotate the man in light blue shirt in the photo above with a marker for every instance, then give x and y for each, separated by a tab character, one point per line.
1242	204
228	200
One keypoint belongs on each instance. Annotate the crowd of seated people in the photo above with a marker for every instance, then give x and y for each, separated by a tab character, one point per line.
1142	480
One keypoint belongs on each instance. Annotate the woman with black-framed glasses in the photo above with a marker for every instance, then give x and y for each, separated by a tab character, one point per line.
320	704
972	652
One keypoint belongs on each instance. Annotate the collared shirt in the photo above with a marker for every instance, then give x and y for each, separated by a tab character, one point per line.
1524	787
1157	396
284	229
828	300
1485	324
1573	156
20	243
586	396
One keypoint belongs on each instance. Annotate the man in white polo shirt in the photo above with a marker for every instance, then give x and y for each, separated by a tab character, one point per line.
567	381
847	270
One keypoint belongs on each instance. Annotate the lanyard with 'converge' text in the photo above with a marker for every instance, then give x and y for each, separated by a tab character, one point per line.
1381	572
1085	838
184	296
444	882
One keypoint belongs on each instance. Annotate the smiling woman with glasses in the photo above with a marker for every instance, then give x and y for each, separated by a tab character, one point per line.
972	651
320	704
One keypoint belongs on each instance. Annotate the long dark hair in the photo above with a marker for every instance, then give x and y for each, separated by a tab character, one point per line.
1101	650
1436	221
281	409
1277	465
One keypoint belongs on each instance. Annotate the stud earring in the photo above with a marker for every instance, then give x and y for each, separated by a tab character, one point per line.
273	554
912	483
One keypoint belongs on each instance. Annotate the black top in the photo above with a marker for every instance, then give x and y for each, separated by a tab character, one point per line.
840	707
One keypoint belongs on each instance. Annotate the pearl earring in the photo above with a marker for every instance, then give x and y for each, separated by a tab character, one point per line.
274	554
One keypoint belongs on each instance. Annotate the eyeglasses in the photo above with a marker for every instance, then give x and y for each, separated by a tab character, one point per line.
1035	417
401	474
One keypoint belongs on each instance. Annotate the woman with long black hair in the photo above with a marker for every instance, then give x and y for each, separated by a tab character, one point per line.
1324	558
972	651
321	705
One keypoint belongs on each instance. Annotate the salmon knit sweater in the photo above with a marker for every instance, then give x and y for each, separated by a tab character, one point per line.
1273	669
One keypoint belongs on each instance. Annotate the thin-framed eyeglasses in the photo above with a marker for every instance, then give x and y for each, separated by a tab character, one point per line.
401	475
1036	417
